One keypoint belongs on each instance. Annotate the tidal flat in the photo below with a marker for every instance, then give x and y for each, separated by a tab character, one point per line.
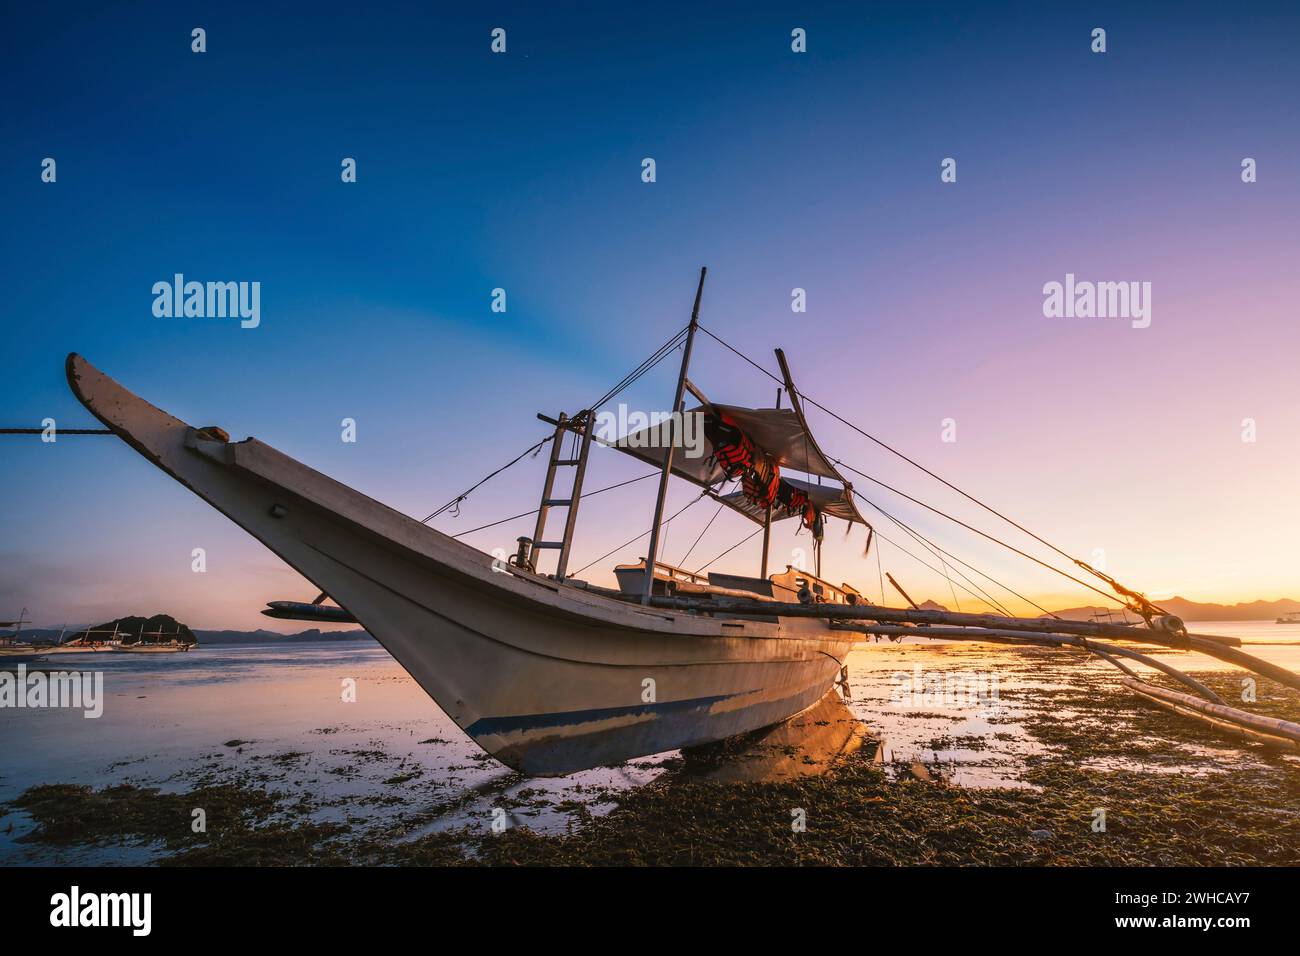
1063	767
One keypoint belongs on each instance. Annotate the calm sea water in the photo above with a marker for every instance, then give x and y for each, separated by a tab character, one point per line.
1277	643
276	716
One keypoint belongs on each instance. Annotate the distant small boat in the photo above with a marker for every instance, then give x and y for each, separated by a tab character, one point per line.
20	654
14	651
1292	618
1107	616
72	649
141	648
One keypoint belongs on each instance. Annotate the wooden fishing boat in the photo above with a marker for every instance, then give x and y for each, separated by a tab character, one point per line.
545	673
14	651
551	674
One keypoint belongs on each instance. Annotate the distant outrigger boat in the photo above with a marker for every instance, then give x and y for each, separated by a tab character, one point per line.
548	673
141	646
1107	616
138	647
14	651
89	643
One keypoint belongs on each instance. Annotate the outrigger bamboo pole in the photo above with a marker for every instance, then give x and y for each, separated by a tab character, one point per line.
1214	645
899	615
1269	731
1042	640
767	519
652	551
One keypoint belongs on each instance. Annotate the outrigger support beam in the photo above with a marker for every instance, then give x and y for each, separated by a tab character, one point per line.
298	611
1167	632
1042	640
653	551
900	615
1269	731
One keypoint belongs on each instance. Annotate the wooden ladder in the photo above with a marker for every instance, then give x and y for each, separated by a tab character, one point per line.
582	424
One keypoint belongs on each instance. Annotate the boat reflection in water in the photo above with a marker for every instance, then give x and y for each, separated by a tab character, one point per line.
811	742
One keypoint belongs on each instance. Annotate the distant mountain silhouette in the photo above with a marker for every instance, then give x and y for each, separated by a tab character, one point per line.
260	636
1178	606
1198	611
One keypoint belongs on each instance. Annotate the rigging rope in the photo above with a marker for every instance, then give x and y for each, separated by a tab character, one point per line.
655	358
912	531
944	564
880	573
895	451
729	550
465	494
920	562
938	552
589	494
682	562
1118	588
56	431
985	534
689	504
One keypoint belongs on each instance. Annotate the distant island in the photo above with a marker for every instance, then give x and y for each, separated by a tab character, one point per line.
158	629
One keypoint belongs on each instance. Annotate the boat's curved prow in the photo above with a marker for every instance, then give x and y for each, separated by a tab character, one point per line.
93	389
129	416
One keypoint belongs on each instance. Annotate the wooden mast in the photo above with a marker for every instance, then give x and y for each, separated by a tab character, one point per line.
767	539
653	551
767	518
899	588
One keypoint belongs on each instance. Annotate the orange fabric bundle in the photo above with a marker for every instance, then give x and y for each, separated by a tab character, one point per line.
732	449
761	482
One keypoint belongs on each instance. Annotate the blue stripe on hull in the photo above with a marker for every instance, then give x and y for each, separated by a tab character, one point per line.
676	724
570	718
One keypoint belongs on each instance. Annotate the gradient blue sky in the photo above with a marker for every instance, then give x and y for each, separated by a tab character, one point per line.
776	170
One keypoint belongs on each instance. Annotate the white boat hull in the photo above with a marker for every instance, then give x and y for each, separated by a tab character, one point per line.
548	678
20	655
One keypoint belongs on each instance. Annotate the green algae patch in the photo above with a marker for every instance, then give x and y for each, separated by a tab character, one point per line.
237	826
67	814
856	816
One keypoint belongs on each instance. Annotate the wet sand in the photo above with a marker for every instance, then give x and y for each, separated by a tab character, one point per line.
288	772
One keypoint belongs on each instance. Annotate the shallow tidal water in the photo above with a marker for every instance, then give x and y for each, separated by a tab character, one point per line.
392	763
